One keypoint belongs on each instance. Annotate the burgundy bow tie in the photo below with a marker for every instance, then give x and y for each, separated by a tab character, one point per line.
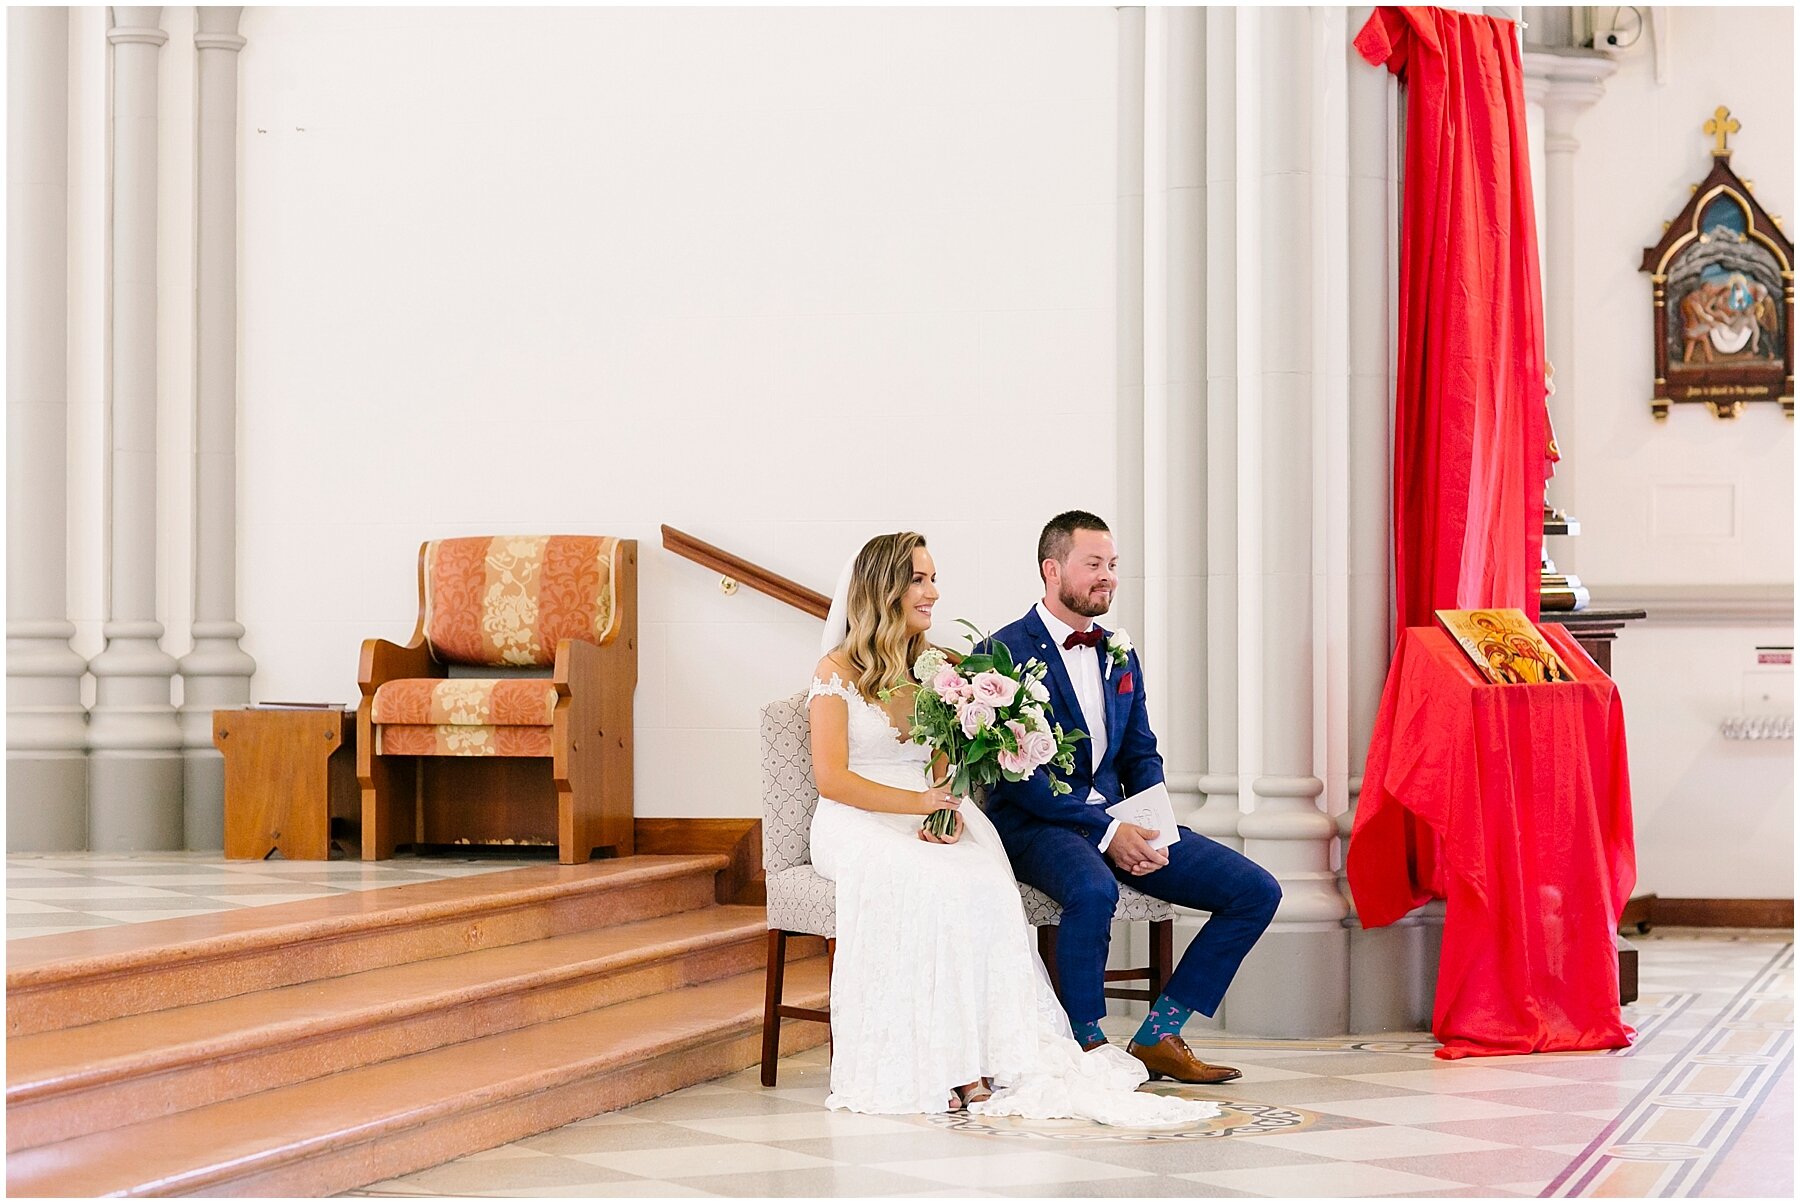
1086	639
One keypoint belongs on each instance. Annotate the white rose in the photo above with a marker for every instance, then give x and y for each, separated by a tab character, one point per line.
1037	689
1034	718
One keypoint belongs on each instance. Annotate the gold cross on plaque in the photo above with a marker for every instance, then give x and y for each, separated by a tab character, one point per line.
1721	125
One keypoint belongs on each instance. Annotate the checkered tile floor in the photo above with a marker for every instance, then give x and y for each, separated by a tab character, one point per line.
1701	1105
1368	1116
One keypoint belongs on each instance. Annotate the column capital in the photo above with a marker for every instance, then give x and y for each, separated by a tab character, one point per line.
216	27
1566	82
136	23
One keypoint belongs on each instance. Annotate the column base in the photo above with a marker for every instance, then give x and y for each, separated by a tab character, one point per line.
203	800
1390	991
134	802
1295	983
46	803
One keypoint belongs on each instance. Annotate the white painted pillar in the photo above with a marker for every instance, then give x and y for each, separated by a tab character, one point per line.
1174	432
1130	604
1565	84
1291	303
135	771
1128	522
1390	987
1217	816
216	673
46	724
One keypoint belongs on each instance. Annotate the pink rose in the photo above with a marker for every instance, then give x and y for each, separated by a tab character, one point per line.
1017	763
1039	748
949	685
995	689
974	716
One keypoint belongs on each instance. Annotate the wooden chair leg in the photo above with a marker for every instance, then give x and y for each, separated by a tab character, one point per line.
387	805
771	1035
830	962
1047	950
1162	955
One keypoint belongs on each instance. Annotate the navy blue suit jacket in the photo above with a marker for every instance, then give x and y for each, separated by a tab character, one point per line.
1131	763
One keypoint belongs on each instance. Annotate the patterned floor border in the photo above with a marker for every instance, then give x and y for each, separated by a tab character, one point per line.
1650	1015
1669	1140
1239	1119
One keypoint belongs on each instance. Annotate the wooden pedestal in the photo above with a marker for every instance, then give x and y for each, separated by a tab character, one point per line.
289	771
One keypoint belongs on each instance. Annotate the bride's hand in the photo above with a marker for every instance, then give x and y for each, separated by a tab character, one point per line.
936	799
955	835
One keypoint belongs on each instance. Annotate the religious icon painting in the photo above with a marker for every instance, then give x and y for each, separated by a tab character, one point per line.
1723	290
1505	646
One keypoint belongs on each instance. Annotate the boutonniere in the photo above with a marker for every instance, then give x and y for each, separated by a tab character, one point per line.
1118	650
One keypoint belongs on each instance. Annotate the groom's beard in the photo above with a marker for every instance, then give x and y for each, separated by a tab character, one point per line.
1087	607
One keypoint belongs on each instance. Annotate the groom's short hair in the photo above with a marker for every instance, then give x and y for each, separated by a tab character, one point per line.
1059	533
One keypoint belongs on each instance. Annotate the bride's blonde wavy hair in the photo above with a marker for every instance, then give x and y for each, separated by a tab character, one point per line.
880	651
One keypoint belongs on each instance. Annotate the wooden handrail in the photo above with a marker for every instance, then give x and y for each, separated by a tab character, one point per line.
753	575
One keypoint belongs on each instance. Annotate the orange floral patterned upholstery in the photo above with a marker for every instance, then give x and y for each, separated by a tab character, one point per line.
466	701
509	599
461	740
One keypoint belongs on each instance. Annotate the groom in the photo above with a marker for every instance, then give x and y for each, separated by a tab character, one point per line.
1069	848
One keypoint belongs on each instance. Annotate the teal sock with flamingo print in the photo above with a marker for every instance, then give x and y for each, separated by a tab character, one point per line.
1165	1019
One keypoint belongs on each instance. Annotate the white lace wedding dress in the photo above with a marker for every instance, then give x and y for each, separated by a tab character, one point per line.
937	980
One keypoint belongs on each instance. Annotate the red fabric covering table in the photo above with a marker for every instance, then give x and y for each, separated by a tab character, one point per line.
1527	792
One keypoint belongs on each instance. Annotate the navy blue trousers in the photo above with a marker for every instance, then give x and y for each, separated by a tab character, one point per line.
1201	874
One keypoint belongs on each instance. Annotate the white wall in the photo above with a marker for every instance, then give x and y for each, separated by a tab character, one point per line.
1694	501
750	273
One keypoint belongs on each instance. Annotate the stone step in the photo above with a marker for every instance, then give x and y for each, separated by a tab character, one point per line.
74	1081
358	1126
71	979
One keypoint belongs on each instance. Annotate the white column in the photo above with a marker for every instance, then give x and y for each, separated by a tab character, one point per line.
1290	335
216	673
1175	400
1217	816
46	725
1130	605
135	772
1390	990
1174	434
1565	83
1128	522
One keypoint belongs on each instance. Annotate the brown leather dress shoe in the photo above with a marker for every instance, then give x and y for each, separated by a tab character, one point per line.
1170	1058
1091	1048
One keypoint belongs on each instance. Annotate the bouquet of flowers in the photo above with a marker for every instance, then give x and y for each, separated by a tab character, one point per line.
990	719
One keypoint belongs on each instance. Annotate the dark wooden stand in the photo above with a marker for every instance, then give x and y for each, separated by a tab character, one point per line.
1595	630
289	771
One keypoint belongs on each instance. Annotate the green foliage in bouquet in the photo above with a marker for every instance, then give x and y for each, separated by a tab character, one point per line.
990	719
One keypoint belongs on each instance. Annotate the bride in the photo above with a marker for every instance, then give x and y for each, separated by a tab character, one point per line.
938	999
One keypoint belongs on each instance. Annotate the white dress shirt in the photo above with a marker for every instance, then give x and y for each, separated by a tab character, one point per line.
1083	667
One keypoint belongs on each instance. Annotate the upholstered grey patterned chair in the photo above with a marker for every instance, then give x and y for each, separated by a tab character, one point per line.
804	903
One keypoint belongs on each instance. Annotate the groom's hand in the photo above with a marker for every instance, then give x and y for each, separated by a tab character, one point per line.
1130	850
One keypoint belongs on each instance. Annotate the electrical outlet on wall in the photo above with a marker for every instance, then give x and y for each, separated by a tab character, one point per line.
1769	688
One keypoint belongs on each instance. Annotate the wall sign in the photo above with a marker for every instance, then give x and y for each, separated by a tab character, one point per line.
1723	288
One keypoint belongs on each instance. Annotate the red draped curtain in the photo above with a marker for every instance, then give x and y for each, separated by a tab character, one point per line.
1471	433
1470	428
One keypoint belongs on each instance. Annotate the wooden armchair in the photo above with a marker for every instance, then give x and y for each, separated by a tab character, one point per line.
506	719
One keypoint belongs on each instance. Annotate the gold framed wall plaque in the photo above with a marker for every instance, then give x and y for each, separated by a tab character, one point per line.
1722	280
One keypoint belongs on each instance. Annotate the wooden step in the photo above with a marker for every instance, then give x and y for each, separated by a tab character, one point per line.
339	1131
69	1082
71	979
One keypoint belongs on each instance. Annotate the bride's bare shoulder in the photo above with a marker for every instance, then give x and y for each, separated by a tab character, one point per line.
833	663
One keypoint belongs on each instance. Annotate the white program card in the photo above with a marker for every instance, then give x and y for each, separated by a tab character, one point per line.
1149	809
